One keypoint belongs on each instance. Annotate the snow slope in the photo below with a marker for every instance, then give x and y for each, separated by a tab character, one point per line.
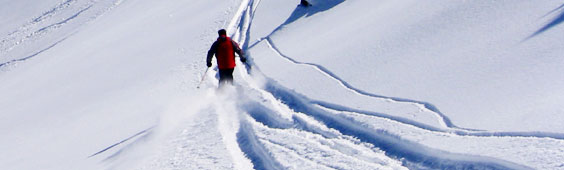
110	84
93	79
479	62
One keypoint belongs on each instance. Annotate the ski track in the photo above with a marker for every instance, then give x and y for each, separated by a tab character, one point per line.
340	108
36	21
263	111
294	153
323	149
33	55
443	118
412	153
393	144
254	149
58	24
46	24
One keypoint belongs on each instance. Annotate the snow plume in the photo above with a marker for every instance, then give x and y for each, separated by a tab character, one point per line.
183	110
194	132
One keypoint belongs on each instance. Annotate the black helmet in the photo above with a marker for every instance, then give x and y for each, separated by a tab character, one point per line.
222	32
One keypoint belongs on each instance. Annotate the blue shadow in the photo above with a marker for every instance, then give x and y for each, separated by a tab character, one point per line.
556	21
317	6
302	11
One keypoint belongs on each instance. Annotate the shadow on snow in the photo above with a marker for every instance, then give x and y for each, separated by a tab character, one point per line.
317	6
140	135
555	21
301	11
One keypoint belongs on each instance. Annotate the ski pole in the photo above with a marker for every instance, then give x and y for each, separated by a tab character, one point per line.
203	77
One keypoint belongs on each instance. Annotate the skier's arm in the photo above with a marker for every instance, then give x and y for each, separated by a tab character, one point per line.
211	52
238	50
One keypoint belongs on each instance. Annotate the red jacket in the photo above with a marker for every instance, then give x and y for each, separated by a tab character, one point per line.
224	49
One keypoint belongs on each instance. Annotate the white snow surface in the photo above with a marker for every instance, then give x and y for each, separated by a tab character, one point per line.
341	84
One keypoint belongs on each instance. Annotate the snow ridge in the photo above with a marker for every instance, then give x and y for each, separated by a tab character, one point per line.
266	116
254	149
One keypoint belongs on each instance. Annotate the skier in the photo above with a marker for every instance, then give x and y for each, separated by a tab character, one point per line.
224	49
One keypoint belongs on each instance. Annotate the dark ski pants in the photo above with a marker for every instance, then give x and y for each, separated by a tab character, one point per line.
225	77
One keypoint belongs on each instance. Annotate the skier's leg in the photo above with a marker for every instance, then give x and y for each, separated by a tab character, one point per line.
222	77
225	77
229	76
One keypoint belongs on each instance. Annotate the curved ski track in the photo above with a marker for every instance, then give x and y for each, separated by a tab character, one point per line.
74	13
444	119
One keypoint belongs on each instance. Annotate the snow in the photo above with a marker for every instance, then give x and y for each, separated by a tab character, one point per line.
111	84
470	59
